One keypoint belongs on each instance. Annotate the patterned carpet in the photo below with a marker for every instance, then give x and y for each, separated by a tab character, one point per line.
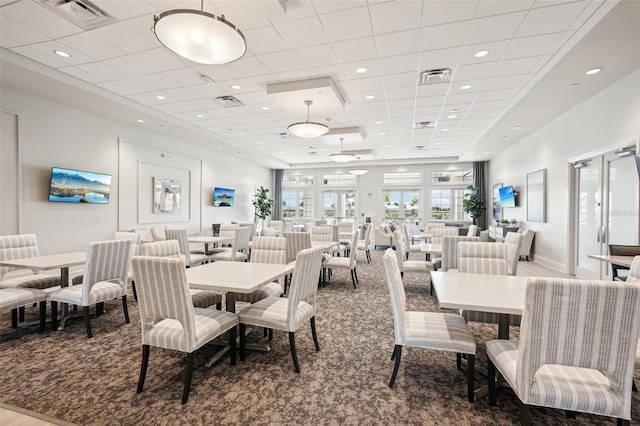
93	381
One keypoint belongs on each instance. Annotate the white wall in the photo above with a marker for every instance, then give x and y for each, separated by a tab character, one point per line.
609	119
52	134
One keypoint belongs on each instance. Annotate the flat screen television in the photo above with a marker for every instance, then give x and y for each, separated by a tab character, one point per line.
507	197
223	197
78	186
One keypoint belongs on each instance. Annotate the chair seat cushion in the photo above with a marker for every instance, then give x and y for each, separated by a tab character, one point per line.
226	256
417	266
39	281
197	259
205	298
101	291
337	262
269	290
564	387
11	298
437	330
363	245
414	248
209	323
271	312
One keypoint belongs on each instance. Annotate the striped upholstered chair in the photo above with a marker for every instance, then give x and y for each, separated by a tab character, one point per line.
17	297
17	247
168	318
180	234
409	248
634	277
105	277
342	262
512	243
431	330
449	258
365	243
227	230
288	313
170	248
576	352
239	251
420	266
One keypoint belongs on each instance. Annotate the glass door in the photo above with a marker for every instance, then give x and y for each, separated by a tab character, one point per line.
589	218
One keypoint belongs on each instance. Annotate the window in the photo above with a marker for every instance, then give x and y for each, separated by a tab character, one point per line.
401	204
339	204
297	180
346	179
446	204
452	177
297	204
402	178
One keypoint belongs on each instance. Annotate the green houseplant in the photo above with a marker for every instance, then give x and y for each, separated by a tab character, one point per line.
262	203
473	203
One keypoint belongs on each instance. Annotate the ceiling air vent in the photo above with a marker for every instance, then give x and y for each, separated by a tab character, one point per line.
419	147
284	135
82	13
435	76
425	124
228	101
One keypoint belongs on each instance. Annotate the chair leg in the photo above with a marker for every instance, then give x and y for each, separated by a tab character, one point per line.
459	361
491	378
87	324
633	386
525	414
353	278
622	422
54	315
232	343
471	371
397	355
21	314
99	309
368	256
135	293
43	315
570	414
355	272
14	318
313	333
243	340
125	308
143	367
219	306
294	355
270	334
187	377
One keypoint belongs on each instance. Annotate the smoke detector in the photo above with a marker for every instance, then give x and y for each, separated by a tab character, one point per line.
434	76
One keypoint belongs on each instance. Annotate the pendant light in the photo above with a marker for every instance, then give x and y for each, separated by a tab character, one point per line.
307	129
358	171
342	157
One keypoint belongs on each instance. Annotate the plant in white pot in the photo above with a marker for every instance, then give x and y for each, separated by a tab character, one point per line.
262	203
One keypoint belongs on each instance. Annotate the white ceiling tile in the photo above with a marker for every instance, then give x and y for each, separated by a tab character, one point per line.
303	74
394	81
124	9
279	61
126	86
316	56
264	40
160	81
175	107
347	24
366	85
444	36
398	64
530	46
324	6
429	101
495	49
401	93
443	58
124	38
399	43
302	33
355	50
40	19
493	95
184	93
469	72
143	26
564	38
82	75
514	66
91	46
440	12
43	52
247	67
161	59
499	7
13	33
396	16
550	19
494	28
130	65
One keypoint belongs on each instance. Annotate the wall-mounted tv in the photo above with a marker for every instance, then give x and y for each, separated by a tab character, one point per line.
223	197
77	186
507	196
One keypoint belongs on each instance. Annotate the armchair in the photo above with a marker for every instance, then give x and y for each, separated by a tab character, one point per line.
382	236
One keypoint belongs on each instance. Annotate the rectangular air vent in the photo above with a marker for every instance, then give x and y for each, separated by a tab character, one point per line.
82	13
434	76
228	101
425	124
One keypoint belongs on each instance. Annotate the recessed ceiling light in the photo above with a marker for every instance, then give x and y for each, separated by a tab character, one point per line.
465	87
518	127
162	98
239	133
481	53
369	97
378	122
62	53
382	133
438	143
265	108
361	70
386	146
139	120
575	84
452	116
219	147
199	115
236	87
258	142
445	130
593	71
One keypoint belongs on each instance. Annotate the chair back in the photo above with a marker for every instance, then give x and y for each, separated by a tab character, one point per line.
473	231
304	283
322	233
345	226
241	242
367	233
106	261
319	222
634	270
249	225
432	225
228	230
407	237
621	250
268	232
16	247
180	234
450	250
168	248
354	248
269	250
396	291
482	258
512	243
277	226
400	250
438	233
163	293
580	323
296	241
135	245
288	225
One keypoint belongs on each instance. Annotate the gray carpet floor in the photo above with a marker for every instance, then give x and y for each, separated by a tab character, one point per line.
93	381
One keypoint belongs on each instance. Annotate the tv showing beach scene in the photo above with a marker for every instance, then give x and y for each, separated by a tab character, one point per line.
223	197
77	186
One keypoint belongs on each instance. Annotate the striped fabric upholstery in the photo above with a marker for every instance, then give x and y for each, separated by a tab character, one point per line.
634	277
171	249
227	230
105	275
268	232
512	243
432	225
322	233
340	247
335	262
296	241
251	225
438	233
410	248
18	247
288	226
345	226
11	298
265	250
180	234
473	231
239	251
277	225
450	250
365	243
421	266
577	346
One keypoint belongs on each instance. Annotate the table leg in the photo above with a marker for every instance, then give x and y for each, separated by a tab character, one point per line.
503	326
64	308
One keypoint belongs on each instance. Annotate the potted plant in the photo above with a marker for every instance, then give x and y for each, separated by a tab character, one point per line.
504	222
262	203
473	203
514	222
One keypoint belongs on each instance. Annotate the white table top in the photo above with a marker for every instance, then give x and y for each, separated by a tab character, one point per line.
239	277
431	248
501	294
209	239
324	244
616	260
52	261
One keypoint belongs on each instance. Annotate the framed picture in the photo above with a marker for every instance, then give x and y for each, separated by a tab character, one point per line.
495	202
536	195
167	195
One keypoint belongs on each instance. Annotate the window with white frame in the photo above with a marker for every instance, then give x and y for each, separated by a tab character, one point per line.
455	177
401	203
402	178
339	204
446	204
297	203
342	179
297	180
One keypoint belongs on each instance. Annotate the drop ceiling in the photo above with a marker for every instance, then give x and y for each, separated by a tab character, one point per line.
538	52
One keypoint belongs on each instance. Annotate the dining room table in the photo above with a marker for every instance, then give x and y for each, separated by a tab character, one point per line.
209	239
616	260
237	277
